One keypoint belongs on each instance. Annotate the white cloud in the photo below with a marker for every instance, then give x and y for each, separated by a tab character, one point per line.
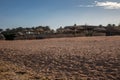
108	5
105	5
85	6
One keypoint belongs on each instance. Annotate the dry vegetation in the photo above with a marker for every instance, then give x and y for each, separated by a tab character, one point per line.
84	58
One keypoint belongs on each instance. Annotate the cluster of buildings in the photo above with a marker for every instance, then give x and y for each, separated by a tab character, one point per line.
41	32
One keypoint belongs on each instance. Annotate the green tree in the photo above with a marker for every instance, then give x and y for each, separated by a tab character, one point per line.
9	34
113	25
1	30
119	25
100	25
7	29
109	25
59	30
75	25
19	29
47	28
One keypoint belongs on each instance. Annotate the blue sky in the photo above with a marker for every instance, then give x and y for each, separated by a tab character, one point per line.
56	13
